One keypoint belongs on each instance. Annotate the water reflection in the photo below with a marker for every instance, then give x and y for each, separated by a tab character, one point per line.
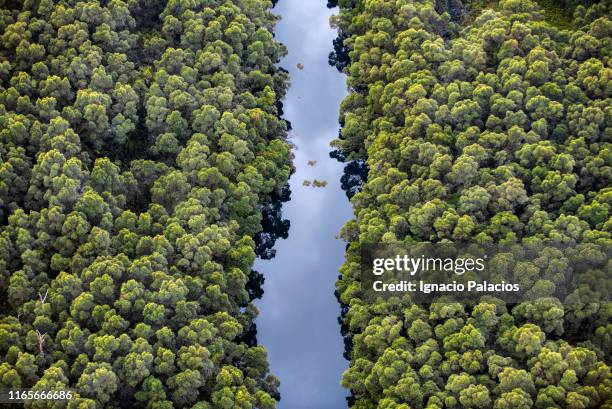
273	224
298	313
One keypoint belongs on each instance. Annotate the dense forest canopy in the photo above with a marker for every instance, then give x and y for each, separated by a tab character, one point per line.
143	163
141	153
489	125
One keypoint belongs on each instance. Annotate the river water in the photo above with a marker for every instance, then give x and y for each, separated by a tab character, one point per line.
298	312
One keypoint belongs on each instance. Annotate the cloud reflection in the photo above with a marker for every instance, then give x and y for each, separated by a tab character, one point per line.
298	312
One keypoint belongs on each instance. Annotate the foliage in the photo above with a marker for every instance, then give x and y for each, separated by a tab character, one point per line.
495	130
140	144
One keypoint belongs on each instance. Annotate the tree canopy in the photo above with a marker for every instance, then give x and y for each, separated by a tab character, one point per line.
488	125
140	152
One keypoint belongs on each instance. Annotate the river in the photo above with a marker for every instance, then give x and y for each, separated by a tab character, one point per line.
298	312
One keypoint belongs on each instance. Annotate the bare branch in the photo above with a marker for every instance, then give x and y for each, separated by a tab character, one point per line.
43	298
41	341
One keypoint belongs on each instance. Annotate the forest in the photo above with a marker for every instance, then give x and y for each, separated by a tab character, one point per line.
145	158
141	157
481	122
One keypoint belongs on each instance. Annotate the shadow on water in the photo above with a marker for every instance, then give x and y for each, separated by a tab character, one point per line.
274	227
273	224
297	316
354	175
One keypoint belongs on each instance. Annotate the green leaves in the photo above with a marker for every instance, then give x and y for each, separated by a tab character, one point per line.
489	131
139	144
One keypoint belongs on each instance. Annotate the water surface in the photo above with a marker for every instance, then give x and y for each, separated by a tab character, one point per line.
298	313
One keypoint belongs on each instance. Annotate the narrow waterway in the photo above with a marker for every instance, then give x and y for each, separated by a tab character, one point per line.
298	312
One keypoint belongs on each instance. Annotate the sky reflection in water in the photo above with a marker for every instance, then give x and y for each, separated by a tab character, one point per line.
298	313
